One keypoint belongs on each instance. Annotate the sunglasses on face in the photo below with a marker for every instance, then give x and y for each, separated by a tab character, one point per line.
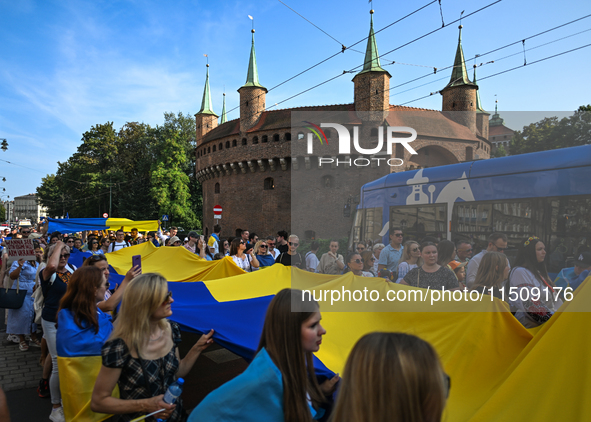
242	242
360	248
70	241
168	297
271	244
26	232
264	246
66	256
294	244
357	261
398	234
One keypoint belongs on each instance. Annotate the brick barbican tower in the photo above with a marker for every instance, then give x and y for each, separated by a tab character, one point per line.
372	84
459	96
252	94
205	119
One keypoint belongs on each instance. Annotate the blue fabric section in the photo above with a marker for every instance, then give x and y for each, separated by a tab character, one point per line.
73	341
77	258
238	324
266	260
254	395
76	224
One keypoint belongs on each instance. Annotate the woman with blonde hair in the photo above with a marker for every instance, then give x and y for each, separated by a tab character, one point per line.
280	383
142	357
261	251
410	258
492	271
392	377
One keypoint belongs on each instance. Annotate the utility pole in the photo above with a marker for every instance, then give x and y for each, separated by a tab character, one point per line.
110	196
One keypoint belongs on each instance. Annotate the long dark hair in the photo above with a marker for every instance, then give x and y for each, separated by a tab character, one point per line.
282	339
445	252
526	258
80	297
235	245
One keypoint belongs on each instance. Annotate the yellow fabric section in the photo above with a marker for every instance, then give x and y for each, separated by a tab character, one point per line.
127	224
500	371
77	379
175	263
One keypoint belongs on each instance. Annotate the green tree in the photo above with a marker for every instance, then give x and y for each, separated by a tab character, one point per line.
552	133
2	212
499	152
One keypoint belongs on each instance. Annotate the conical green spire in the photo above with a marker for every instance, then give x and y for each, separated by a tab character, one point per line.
496	119
206	107
252	78
459	75
479	108
372	57
224	117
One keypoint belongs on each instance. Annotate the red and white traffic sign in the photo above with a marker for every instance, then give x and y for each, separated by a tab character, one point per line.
217	210
105	215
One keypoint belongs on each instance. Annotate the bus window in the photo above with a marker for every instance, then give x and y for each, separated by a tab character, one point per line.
421	221
367	225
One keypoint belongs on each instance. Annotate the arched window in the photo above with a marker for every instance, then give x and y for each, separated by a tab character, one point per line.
220	146
227	144
276	137
214	148
264	139
469	156
269	184
243	141
217	188
300	135
255	140
204	151
287	136
374	132
234	142
208	150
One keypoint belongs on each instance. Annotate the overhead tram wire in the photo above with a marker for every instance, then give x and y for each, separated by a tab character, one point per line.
511	69
340	52
490	62
364	39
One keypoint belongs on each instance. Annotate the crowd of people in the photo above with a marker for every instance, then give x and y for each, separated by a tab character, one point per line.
75	308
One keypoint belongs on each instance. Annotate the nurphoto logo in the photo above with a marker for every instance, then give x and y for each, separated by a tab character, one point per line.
344	138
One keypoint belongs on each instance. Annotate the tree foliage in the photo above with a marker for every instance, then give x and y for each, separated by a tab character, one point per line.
499	151
552	133
139	172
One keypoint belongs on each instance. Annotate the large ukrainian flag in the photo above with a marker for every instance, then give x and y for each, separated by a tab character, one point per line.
73	225
500	371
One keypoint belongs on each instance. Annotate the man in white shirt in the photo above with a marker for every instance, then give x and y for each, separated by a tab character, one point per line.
272	250
119	242
497	242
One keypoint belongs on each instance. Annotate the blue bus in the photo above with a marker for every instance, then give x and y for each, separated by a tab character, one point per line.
545	194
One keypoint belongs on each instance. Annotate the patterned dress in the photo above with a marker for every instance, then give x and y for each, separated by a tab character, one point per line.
133	383
20	321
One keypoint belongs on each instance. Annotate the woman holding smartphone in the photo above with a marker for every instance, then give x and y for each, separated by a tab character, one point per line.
245	259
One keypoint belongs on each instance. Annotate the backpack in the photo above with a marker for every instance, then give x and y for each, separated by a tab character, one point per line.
38	298
112	246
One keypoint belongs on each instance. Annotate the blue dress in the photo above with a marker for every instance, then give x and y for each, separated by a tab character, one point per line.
20	321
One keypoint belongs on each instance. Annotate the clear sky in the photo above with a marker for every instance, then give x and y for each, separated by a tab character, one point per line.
68	65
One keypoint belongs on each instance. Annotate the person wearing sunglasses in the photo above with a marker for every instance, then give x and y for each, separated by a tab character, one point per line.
393	374
463	251
331	262
497	242
245	259
355	265
54	281
82	327
390	255
142	355
292	257
261	250
94	247
411	258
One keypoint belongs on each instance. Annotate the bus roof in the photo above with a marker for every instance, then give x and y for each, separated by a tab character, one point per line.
515	164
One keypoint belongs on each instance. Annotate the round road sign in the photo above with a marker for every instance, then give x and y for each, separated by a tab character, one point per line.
105	215
217	210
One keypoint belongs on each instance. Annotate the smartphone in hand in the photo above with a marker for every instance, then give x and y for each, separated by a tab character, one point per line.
136	260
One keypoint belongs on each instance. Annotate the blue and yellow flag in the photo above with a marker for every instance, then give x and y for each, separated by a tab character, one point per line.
500	371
